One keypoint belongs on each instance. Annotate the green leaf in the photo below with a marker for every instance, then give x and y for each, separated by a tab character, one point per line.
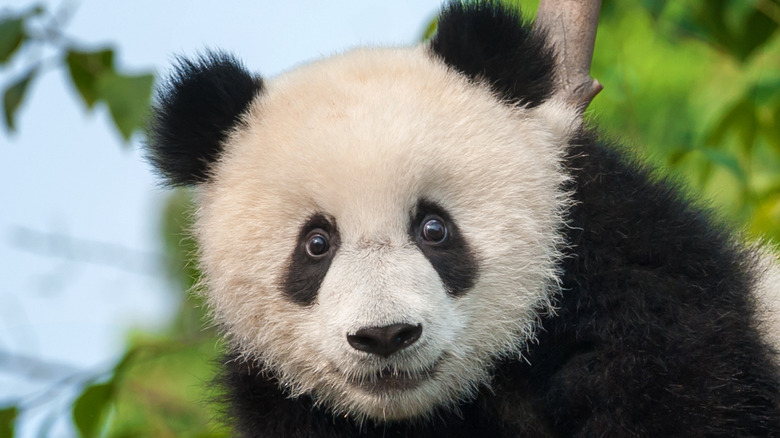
7	418
756	29
86	69
766	90
654	7
741	120
430	30
90	408
12	98
774	134
128	98
125	362
728	162
736	26
766	220
11	37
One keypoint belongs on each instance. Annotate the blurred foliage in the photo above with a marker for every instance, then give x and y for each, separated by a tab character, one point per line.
27	34
696	87
166	392
163	386
7	418
693	86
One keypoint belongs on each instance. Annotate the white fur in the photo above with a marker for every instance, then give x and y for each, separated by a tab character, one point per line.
362	137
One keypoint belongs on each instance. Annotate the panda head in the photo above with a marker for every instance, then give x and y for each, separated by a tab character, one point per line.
378	228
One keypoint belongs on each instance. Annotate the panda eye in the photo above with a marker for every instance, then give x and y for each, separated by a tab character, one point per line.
433	230
317	245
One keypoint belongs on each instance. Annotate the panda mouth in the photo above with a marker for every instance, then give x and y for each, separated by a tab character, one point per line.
394	380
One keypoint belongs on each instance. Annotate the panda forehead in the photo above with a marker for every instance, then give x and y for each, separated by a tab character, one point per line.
371	116
369	103
364	136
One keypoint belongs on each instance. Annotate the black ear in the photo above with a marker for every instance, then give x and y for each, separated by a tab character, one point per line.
487	41
196	109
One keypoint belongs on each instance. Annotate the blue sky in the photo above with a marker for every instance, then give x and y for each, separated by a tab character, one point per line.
65	172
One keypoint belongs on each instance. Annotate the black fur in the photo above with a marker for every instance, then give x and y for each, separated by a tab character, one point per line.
453	259
654	335
196	109
304	273
484	41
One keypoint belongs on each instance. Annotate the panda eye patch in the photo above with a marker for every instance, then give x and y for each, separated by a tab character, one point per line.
310	258
437	235
433	230
317	243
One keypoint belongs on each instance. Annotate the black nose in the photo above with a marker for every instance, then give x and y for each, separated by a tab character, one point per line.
384	341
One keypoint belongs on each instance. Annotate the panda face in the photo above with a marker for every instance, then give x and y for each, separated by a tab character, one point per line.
379	229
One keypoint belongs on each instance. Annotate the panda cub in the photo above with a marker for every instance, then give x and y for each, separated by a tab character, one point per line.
425	241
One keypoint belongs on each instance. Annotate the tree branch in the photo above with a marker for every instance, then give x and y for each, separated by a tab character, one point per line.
85	251
571	26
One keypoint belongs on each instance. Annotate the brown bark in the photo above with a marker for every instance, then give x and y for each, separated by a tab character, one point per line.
571	26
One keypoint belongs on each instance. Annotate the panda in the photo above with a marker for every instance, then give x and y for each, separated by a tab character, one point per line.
428	242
